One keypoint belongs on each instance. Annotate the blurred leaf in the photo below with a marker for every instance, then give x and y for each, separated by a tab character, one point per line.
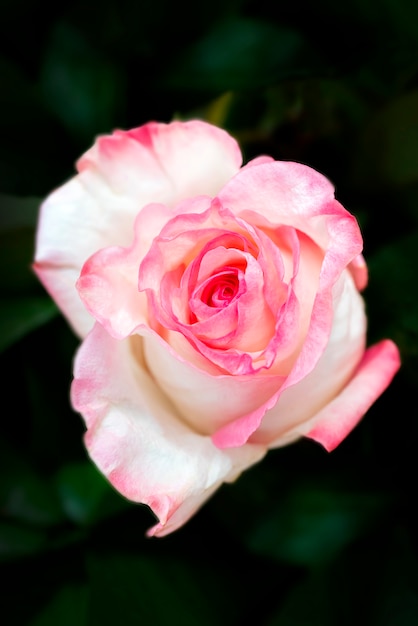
314	523
391	296
396	599
68	607
80	86
18	217
21	315
401	15
388	152
17	541
217	110
33	149
16	257
24	494
18	212
376	579
85	494
307	604
134	589
240	53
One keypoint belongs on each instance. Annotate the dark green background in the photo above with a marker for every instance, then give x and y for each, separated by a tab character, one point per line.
305	538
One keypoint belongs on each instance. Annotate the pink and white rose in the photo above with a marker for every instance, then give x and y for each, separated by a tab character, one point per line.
218	305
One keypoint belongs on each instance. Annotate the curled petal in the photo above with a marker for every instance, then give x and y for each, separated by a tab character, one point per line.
332	372
164	162
136	439
298	196
373	375
358	269
206	400
118	176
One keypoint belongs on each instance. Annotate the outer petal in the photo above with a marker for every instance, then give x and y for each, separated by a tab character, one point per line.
295	195
108	283
375	372
165	162
118	176
67	234
287	193
359	271
206	400
344	351
137	440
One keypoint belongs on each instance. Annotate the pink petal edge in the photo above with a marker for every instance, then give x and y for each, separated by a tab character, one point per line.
375	372
136	439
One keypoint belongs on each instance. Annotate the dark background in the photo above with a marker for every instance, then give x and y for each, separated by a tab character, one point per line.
305	538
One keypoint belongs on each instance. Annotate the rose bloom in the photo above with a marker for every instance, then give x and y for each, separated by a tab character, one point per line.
218	305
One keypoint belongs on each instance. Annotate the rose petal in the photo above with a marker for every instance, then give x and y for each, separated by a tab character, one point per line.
57	285
118	176
359	271
108	289
293	194
209	399
334	369
136	439
238	432
67	234
296	195
375	372
165	162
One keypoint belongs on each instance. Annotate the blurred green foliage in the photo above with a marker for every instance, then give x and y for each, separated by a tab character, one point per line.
305	538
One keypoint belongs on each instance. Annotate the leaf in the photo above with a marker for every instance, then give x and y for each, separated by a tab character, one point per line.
133	589
242	53
34	151
18	212
26	496
18	217
388	151
308	603
19	316
314	523
391	297
395	602
85	495
21	310
80	86
17	541
69	606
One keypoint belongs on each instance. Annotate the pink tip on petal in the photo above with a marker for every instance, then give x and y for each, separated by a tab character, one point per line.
358	269
375	372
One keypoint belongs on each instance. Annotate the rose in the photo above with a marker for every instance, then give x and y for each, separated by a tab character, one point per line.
219	309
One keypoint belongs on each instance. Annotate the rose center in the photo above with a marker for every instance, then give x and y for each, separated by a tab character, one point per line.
220	289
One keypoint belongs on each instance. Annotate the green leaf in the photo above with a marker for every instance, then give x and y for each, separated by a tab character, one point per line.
26	496
85	494
133	589
391	297
34	152
68	607
18	218
242	53
16	257
395	602
388	151
21	309
19	316
314	523
18	212
308	603
17	541
80	86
